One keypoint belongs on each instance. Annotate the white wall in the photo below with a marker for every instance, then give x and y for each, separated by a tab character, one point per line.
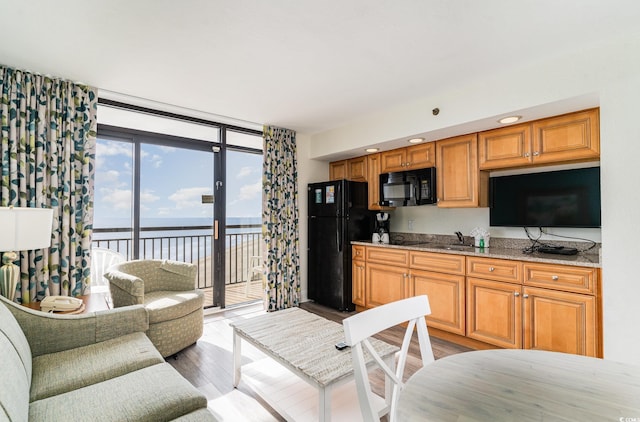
604	76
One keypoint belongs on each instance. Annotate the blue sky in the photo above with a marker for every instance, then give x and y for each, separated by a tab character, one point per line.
172	182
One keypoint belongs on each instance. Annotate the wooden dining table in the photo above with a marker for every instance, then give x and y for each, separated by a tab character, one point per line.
521	385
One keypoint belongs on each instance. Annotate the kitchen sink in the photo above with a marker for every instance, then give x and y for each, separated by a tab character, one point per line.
452	247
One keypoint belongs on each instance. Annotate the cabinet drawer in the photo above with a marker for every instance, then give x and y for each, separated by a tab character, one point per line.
388	256
443	263
495	269
357	252
561	277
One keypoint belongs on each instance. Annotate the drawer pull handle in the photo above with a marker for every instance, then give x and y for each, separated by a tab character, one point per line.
554	277
491	269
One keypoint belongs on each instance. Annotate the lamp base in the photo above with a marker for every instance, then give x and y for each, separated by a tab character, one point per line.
9	276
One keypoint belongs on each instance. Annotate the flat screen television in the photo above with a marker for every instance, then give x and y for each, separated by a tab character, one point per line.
564	198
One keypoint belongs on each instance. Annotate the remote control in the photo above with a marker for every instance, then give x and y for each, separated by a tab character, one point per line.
341	346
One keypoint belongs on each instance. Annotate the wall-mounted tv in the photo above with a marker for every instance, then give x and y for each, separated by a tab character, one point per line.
564	198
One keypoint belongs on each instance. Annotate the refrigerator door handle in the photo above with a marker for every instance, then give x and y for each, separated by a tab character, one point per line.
339	235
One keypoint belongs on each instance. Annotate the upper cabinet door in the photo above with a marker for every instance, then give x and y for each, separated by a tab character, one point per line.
505	147
421	156
571	137
358	169
458	178
393	160
338	170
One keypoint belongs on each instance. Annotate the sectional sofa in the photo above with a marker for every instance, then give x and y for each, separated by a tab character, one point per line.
98	366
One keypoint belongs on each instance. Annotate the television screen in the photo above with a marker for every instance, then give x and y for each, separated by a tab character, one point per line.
565	198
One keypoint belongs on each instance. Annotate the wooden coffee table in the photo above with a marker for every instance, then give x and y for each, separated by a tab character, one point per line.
92	302
304	343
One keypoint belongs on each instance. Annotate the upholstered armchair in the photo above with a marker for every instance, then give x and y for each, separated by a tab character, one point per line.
167	290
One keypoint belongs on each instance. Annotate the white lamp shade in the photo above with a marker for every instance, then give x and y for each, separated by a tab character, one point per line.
24	229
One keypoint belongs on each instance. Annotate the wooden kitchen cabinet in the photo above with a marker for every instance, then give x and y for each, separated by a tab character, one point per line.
358	275
571	137
495	269
446	294
460	183
408	158
385	284
338	170
373	180
494	312
501	302
354	169
505	147
441	278
568	138
561	277
560	322
358	280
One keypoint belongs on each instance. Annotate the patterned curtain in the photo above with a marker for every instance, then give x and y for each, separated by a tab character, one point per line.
47	144
280	219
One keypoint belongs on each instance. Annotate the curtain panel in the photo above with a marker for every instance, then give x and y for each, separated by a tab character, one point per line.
47	144
280	219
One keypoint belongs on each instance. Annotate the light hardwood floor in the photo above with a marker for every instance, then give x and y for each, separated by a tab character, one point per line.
208	364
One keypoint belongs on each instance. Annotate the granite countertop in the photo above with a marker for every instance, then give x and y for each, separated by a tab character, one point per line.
581	259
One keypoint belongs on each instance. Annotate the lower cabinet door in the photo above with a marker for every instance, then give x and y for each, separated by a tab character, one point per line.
560	322
446	299
358	275
494	312
385	284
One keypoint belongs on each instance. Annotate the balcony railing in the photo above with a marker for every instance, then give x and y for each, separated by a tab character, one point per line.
189	244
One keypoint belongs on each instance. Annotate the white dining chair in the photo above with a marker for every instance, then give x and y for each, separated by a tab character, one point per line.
358	328
101	260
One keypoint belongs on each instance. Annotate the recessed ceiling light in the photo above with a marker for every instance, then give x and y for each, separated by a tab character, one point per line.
372	149
509	119
415	140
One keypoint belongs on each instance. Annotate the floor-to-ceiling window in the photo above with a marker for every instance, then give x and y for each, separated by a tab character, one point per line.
162	192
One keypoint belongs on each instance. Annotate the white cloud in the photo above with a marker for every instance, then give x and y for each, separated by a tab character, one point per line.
248	192
120	199
246	171
156	161
108	177
113	148
148	197
188	198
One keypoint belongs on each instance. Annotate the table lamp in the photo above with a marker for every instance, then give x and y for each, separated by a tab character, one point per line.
21	229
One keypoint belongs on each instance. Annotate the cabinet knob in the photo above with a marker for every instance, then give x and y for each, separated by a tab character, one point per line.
491	269
554	277
516	294
536	153
526	155
525	295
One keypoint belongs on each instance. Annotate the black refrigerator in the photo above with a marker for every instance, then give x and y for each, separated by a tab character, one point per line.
338	214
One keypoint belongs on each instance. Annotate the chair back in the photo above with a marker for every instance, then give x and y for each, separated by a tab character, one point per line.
101	260
358	328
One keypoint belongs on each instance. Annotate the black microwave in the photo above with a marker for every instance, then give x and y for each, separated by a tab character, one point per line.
407	188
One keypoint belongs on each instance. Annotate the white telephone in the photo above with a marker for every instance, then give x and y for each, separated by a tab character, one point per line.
60	303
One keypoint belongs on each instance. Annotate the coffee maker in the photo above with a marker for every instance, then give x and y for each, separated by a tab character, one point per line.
381	234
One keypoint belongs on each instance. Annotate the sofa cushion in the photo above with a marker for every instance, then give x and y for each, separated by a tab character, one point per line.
155	394
12	330
167	305
202	415
14	384
60	372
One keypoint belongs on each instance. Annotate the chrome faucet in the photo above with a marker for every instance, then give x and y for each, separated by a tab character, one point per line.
460	237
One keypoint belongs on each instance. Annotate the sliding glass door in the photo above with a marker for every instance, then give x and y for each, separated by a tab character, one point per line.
191	199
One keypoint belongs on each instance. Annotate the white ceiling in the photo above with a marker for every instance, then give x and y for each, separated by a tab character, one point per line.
305	65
